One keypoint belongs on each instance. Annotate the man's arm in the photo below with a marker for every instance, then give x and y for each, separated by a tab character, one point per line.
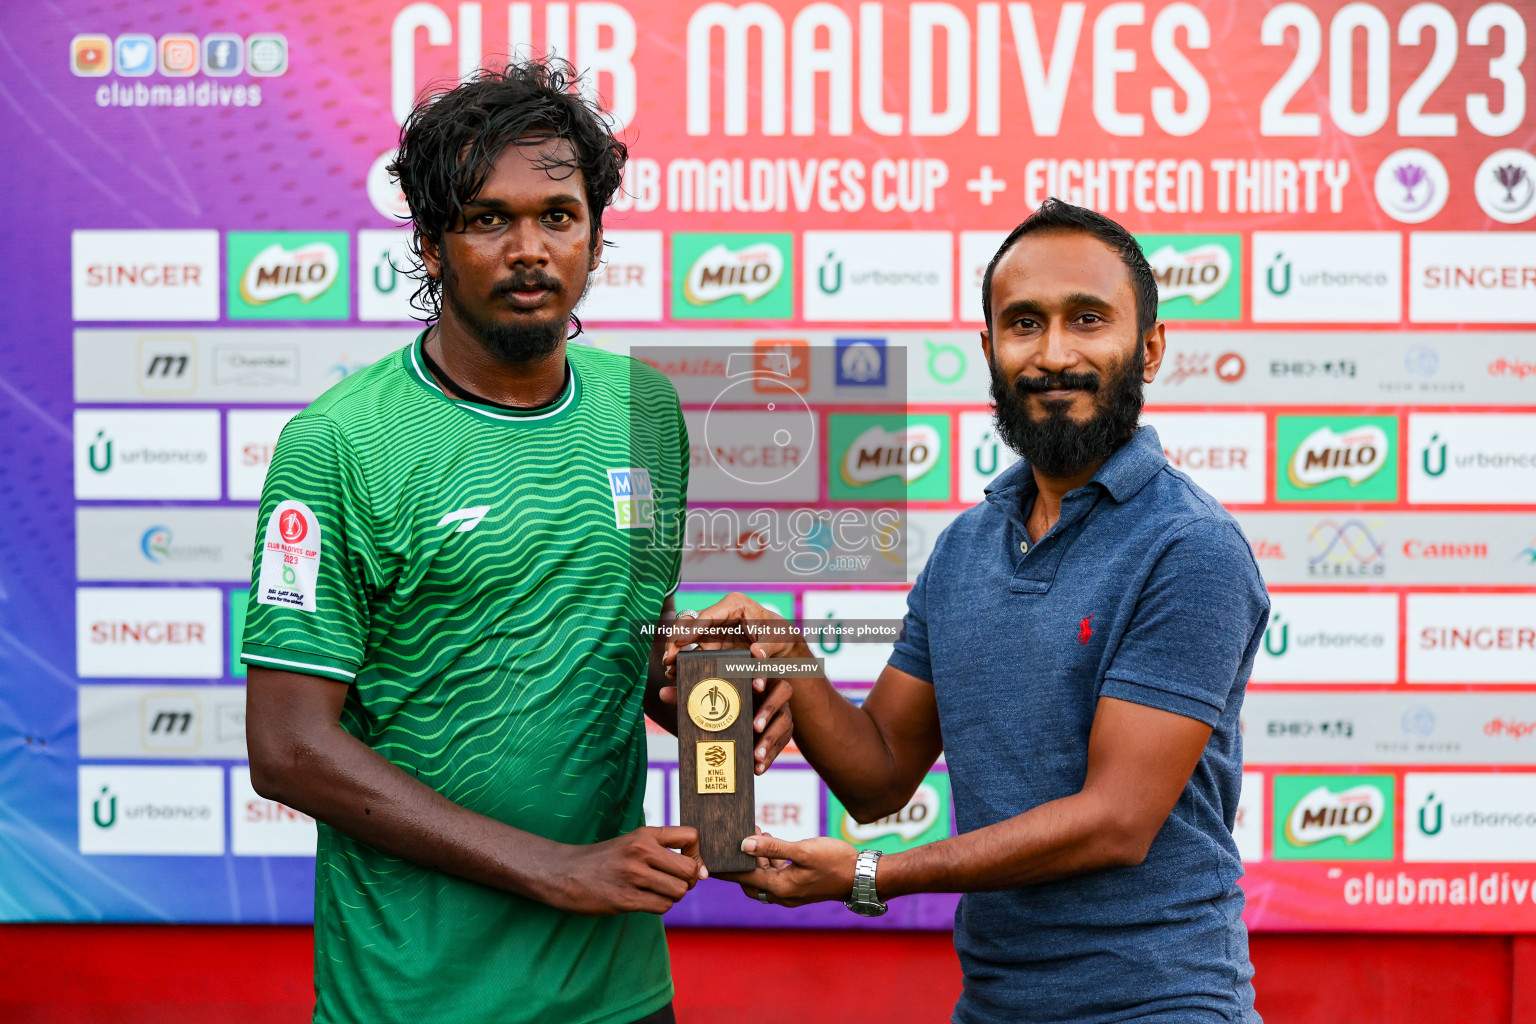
301	756
1139	761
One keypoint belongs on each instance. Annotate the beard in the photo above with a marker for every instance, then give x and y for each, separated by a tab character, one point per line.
509	342
1056	445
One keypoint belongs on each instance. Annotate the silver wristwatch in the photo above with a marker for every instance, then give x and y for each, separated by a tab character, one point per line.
862	900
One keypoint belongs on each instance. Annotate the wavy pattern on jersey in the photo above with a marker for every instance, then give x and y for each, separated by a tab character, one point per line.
499	665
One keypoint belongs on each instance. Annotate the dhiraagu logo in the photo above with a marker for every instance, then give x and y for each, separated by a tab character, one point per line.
1329	458
1197	275
732	277
889	457
925	819
288	275
1334	817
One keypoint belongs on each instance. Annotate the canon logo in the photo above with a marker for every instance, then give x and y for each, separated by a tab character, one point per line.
148	633
1456	552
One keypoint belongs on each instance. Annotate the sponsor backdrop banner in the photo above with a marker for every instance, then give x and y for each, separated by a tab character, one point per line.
1339	202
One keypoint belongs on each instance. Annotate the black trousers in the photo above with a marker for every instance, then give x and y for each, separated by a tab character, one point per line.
661	1016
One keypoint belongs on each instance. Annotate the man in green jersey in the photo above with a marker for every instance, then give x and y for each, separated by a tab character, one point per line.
456	546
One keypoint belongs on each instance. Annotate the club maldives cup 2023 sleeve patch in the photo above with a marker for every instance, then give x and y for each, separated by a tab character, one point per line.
290	558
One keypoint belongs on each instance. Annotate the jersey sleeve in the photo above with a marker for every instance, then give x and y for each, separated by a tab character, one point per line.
308	606
1196	627
685	459
910	655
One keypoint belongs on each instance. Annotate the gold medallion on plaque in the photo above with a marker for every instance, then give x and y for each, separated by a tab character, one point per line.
714	705
717	766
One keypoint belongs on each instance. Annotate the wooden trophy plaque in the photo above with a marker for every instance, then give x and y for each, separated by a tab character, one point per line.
714	753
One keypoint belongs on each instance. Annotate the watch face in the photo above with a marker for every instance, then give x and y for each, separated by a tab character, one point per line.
867	909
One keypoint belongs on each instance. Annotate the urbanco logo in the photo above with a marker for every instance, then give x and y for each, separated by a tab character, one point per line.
878	276
133	809
1460	458
1327	276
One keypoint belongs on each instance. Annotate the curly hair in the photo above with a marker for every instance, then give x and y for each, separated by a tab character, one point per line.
452	139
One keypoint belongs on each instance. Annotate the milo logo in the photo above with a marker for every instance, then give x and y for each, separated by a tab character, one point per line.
305	272
877	453
1356	455
720	272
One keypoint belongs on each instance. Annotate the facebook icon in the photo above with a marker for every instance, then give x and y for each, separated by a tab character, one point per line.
223	54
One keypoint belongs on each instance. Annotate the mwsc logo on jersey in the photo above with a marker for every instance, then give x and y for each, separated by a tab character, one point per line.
634	499
731	277
288	276
1197	275
1325	459
1334	817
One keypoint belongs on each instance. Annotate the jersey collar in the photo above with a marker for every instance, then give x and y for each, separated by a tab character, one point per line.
546	414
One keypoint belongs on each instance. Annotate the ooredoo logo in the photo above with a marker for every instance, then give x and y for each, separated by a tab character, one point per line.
288	276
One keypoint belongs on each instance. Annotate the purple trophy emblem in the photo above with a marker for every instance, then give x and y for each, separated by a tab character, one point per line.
1509	176
1409	176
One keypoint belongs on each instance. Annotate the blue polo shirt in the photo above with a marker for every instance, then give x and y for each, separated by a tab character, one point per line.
1145	590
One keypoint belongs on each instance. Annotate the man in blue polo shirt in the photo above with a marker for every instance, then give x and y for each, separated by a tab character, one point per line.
1077	647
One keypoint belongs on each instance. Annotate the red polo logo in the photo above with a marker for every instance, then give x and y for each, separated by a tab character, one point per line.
1084	630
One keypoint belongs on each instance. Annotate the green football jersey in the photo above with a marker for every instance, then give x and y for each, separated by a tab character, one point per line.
477	574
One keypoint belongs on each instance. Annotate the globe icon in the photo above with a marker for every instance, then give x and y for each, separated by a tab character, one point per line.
267	55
